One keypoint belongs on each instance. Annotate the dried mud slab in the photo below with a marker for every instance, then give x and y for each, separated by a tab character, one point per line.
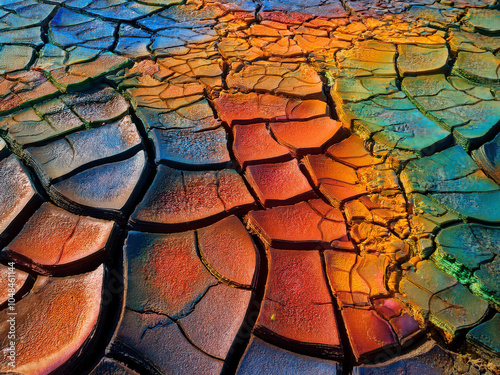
297	311
17	194
182	197
55	321
276	187
54	240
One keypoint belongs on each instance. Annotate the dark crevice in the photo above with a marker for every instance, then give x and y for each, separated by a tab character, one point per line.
314	350
488	137
235	165
348	356
399	77
125	155
23	291
196	167
451	56
242	339
116	35
348	8
225	74
214	271
149	151
44	34
113	298
328	95
192	343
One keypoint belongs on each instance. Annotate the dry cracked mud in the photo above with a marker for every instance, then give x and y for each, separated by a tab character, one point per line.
250	187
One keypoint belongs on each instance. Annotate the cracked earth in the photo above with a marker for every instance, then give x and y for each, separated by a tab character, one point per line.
250	187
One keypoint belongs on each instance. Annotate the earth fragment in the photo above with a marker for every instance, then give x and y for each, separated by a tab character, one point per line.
249	187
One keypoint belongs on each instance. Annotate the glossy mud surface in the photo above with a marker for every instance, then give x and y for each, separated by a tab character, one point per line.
250	187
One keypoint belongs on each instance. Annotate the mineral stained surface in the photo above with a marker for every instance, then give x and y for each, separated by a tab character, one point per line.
249	187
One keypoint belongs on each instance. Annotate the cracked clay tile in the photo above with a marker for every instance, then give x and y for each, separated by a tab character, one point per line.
306	223
253	107
486	336
183	147
303	137
254	145
78	149
158	344
165	274
55	320
53	239
222	243
109	186
16	192
297	307
216	320
262	358
368	333
182	197
414	59
278	183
